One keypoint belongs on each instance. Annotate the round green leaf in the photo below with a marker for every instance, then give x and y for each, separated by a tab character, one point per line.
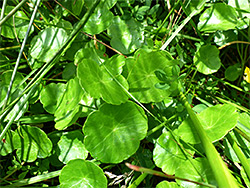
96	80
51	96
233	72
18	27
69	109
197	170
212	18
117	130
99	21
207	59
143	77
217	121
166	184
7	143
71	147
45	45
79	173
126	35
167	154
32	142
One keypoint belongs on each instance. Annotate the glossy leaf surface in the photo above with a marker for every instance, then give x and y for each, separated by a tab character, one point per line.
69	109
96	80
32	143
71	147
47	43
142	77
113	133
51	96
80	173
217	121
207	59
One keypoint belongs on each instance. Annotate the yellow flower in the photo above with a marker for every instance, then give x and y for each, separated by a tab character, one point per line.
247	74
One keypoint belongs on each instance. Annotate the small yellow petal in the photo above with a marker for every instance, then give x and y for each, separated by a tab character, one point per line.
247	74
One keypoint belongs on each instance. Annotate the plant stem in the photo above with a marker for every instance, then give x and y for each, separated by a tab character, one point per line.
221	173
239	154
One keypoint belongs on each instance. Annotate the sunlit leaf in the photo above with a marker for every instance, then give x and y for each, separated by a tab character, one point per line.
79	173
168	154
126	35
142	75
51	96
113	133
45	45
16	26
197	169
217	121
7	143
32	143
99	83
219	16
71	147
69	109
207	59
166	184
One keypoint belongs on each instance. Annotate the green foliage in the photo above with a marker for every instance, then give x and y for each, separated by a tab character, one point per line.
100	84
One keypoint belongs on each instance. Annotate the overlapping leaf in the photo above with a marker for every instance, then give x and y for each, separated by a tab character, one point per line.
168	154
113	133
47	43
142	78
80	173
217	121
71	147
99	83
31	143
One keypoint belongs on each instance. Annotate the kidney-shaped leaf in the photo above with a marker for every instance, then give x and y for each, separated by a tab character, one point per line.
32	142
69	109
47	43
217	121
166	184
17	26
96	80
100	20
7	143
167	154
79	173
51	96
71	147
126	36
142	76
113	133
219	16
197	170
207	59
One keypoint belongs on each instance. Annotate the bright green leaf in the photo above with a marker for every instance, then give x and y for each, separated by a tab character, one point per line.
219	16
32	143
207	59
45	45
197	169
51	96
166	184
126	35
217	121
71	147
18	27
69	109
100	20
99	83
79	173
7	144
113	133
142	77
167	154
